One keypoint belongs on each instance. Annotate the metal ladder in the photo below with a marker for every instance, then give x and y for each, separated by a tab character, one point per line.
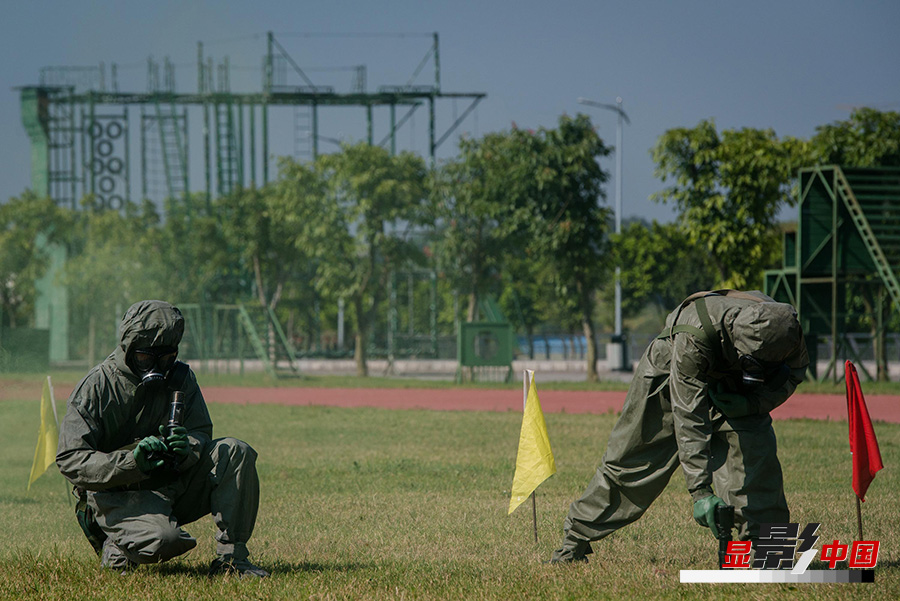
865	231
255	341
226	149
256	322
174	152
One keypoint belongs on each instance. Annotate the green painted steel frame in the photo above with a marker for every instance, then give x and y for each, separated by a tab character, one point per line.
844	237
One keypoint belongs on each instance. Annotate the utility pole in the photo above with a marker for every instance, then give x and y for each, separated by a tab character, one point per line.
620	362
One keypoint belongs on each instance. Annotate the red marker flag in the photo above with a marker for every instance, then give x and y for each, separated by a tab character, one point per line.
863	445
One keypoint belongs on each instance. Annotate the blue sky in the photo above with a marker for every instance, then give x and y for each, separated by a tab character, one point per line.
785	65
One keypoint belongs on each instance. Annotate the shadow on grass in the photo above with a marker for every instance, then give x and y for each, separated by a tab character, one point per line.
19	500
315	566
894	563
278	567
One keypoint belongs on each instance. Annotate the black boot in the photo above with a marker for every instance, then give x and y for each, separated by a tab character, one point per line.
572	550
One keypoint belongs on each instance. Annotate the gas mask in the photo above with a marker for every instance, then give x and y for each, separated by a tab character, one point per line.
755	373
153	364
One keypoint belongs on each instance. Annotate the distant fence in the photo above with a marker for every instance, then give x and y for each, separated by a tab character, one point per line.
574	347
566	347
24	350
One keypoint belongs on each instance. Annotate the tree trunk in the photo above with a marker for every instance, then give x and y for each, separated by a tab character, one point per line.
362	328
591	340
472	313
881	367
92	340
875	307
881	364
587	322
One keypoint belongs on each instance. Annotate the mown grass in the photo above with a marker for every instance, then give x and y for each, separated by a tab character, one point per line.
381	504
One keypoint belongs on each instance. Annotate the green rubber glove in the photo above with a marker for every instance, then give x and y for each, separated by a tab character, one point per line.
732	404
177	441
705	512
148	445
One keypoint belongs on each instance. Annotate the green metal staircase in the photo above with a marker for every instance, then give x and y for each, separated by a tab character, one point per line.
220	332
267	338
871	200
846	248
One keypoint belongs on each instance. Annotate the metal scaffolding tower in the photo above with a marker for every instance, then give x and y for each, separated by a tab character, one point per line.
846	247
79	126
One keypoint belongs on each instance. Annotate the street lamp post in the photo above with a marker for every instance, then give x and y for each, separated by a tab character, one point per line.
622	363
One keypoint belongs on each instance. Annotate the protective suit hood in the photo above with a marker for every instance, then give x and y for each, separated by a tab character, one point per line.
769	332
145	324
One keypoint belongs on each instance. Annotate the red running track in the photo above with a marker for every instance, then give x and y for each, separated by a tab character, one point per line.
814	406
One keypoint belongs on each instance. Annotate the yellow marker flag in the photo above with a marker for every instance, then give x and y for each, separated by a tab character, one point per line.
534	462
48	436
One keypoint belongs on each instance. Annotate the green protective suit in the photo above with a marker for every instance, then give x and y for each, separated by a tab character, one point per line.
669	420
141	514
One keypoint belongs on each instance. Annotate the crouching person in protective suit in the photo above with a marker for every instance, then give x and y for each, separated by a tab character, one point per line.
700	399
138	483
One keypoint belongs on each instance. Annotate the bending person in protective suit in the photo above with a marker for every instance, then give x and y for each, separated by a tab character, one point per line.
700	398
139	484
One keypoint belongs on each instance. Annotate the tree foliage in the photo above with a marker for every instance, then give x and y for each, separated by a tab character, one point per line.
870	138
660	265
728	190
519	214
568	225
27	225
374	201
531	194
477	197
115	260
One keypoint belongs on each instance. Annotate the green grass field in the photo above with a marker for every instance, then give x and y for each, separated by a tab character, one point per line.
381	504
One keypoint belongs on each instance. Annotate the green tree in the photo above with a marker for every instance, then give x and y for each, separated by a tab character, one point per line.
362	232
27	225
568	226
528	194
262	226
523	297
304	199
115	260
476	197
870	138
660	265
728	190
199	265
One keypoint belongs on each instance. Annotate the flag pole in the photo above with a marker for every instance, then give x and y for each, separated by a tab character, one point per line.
56	419
533	502
863	444
858	519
